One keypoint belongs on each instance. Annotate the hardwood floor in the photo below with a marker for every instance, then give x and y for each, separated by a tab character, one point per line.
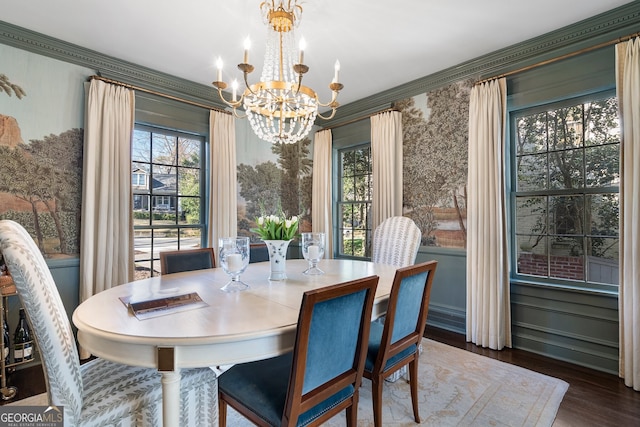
593	398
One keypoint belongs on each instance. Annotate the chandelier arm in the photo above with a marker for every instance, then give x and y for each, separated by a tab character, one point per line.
232	104
333	113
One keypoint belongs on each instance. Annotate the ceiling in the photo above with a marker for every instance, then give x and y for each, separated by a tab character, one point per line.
380	45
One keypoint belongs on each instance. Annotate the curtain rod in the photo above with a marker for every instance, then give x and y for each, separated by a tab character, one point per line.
357	119
561	57
153	92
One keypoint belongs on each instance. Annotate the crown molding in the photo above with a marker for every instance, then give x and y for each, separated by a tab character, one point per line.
607	26
107	66
601	28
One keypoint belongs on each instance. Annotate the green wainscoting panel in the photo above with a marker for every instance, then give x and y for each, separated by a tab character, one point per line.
567	324
447	306
66	274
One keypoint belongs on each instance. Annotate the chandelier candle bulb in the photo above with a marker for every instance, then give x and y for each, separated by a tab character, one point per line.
314	252
247	46
219	67
234	86
303	45
337	70
234	262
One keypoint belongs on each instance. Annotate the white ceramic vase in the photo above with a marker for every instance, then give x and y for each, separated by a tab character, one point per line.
277	258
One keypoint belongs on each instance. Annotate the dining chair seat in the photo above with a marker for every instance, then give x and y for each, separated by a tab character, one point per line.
115	394
375	338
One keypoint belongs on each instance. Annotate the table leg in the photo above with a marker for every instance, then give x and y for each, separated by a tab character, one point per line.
171	398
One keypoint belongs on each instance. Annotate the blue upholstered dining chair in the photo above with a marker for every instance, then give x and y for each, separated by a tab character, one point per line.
321	377
396	241
99	392
258	252
186	260
395	343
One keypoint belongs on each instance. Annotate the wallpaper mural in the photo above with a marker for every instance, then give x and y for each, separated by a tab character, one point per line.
435	128
41	148
273	178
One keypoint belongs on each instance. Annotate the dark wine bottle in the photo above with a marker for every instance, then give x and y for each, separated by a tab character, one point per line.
5	333
23	349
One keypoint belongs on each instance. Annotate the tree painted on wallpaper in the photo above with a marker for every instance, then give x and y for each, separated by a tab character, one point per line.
435	164
269	187
7	87
46	173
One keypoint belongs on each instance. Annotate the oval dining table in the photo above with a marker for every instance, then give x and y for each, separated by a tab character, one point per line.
253	324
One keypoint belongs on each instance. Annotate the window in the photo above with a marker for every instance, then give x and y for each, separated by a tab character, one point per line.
566	189
354	206
167	171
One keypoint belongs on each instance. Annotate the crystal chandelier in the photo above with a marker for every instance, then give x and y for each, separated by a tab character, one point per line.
279	107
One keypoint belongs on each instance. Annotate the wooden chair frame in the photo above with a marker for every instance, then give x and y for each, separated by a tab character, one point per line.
388	350
165	255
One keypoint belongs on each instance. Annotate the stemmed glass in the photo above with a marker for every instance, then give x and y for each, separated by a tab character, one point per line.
313	251
234	258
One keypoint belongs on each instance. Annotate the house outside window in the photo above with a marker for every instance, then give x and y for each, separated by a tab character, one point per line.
565	192
354	205
167	176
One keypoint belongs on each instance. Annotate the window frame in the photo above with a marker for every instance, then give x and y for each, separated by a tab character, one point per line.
340	202
585	190
201	226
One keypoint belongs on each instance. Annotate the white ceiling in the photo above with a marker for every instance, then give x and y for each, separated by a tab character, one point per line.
380	44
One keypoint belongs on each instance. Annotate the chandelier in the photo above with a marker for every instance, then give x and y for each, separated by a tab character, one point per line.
279	107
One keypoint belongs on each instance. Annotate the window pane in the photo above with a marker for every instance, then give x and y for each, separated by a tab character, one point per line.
189	210
361	186
361	159
602	122
348	189
164	149
565	169
567	214
141	146
532	172
565	128
603	213
603	260
532	134
531	215
189	152
189	182
190	238
602	165
532	256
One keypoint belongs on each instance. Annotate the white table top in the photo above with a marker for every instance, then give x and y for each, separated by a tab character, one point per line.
235	327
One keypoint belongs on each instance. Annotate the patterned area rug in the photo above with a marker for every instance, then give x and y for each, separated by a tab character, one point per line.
460	388
457	388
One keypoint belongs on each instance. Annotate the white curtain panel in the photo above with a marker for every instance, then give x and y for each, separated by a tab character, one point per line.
386	155
628	88
106	236
223	200
488	301
321	198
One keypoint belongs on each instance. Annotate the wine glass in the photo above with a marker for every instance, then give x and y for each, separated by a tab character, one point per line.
234	258
313	251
